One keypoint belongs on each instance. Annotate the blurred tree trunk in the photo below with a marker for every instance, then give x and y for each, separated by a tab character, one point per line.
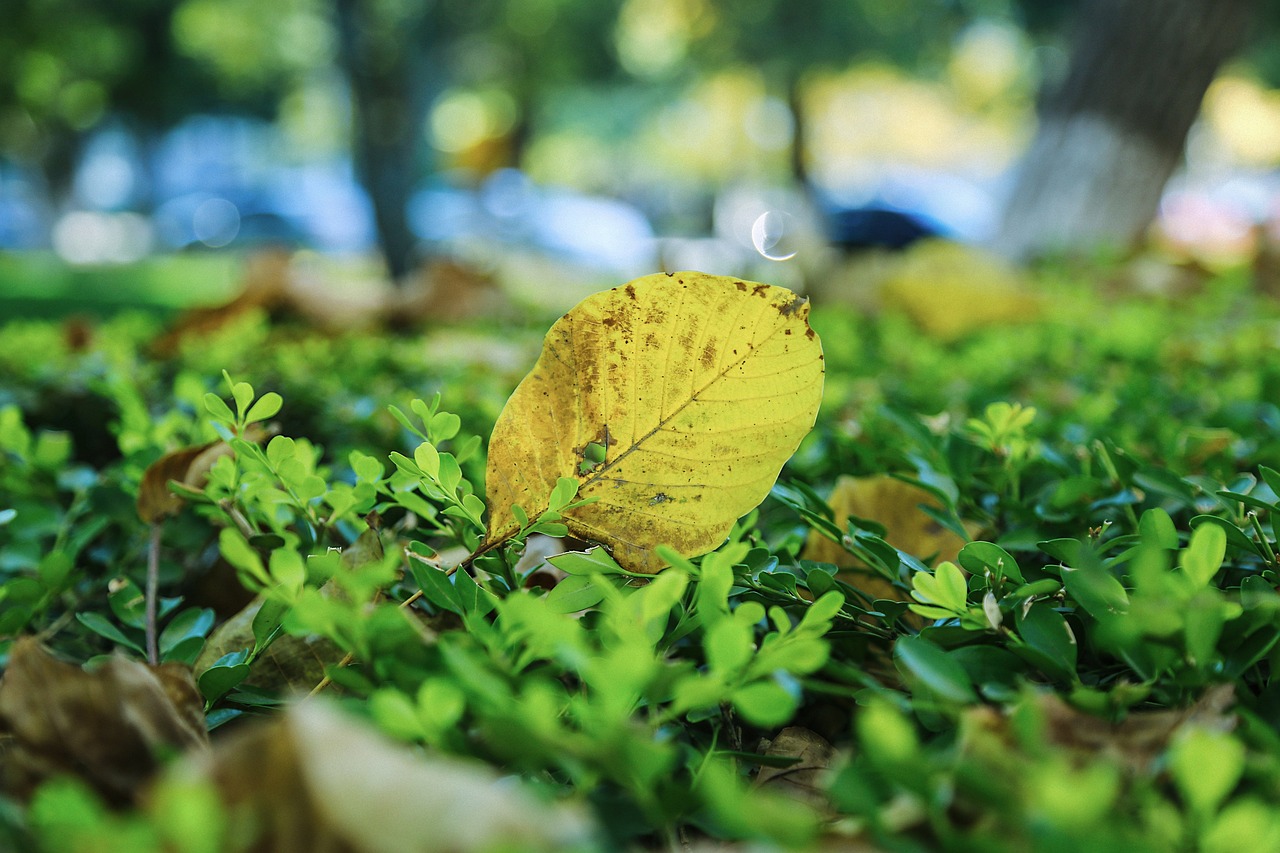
389	69
1112	132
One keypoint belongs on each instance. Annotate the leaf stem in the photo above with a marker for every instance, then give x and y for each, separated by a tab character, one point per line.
1262	537
152	592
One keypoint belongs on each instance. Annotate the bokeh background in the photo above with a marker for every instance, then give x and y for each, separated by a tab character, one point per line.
146	146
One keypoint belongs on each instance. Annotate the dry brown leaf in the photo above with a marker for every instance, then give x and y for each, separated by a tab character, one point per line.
806	779
1135	742
289	664
110	727
319	780
673	400
894	504
444	290
155	500
264	286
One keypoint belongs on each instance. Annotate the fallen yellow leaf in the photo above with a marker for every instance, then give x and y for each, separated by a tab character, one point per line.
673	400
950	290
896	505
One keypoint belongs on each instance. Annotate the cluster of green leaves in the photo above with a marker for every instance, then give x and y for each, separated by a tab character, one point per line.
1045	689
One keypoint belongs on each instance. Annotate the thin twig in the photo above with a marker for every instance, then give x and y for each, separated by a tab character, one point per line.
326	681
152	593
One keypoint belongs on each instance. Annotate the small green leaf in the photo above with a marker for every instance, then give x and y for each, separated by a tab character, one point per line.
574	594
190	623
1096	590
219	409
218	680
765	703
98	623
436	587
594	559
266	623
443	426
427	459
367	468
945	588
1206	765
1203	556
979	557
563	493
1045	632
288	569
932	668
729	647
267	406
243	394
822	611
1156	528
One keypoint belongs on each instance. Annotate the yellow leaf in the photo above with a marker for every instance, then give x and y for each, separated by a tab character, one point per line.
673	400
896	505
950	290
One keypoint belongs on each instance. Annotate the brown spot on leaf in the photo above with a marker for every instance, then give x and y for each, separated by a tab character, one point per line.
709	355
630	290
741	285
793	306
760	290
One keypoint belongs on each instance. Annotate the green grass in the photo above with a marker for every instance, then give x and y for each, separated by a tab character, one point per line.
41	286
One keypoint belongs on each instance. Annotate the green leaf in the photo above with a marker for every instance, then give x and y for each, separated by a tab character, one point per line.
1203	556
1156	527
443	426
1206	766
1271	477
267	406
1068	551
54	568
945	588
1045	632
821	612
266	623
218	408
218	680
288	569
765	703
98	623
436	587
979	557
563	493
594	559
888	738
189	623
1247	500
243	394
1095	589
931	667
573	594
729	647
428	459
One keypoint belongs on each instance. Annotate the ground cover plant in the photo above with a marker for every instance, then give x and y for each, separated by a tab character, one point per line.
1015	589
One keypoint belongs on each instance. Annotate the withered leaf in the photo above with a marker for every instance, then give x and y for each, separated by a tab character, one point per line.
674	401
155	500
1135	742
317	779
805	780
111	726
